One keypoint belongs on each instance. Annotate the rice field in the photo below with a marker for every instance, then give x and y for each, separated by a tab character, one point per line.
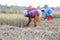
19	19
11	19
12	28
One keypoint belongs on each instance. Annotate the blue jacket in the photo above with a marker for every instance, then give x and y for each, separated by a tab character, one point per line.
48	12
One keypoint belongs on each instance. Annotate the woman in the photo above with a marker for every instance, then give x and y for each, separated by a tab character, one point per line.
32	13
48	12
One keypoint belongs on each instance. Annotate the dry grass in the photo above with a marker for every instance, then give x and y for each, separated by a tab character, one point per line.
30	33
57	12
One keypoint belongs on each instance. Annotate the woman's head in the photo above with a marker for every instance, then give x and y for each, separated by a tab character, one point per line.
46	6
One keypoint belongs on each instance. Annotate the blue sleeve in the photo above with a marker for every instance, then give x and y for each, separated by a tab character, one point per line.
50	12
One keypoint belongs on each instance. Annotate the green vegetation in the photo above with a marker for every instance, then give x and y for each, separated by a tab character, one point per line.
56	16
16	19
